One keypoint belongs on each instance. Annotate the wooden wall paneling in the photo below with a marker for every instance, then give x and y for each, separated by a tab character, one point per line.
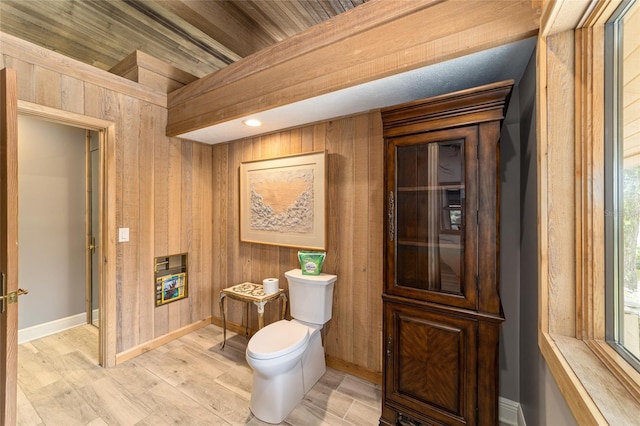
146	224
320	136
147	194
284	143
307	138
186	226
375	262
195	242
160	188
174	193
71	94
121	311
268	146
264	264
287	260
32	54
561	198
361	212
239	270
263	147
295	141
161	220
220	219
201	209
24	73
203	212
128	216
47	87
341	241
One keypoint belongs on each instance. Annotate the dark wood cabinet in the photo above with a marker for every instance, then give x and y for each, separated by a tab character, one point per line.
442	310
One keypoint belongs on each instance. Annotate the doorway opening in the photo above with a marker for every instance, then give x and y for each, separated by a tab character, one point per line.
56	217
85	177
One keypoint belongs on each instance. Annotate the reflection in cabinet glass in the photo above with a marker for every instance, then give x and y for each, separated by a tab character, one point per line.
430	224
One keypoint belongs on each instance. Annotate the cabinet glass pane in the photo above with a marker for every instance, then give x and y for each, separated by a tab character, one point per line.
430	216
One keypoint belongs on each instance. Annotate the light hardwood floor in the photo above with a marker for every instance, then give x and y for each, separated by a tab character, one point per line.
188	381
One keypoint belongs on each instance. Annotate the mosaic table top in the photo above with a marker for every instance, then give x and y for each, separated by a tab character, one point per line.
250	291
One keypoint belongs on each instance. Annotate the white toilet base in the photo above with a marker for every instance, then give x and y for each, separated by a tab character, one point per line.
274	397
313	364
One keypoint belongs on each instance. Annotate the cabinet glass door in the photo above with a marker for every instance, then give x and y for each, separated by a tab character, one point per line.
428	214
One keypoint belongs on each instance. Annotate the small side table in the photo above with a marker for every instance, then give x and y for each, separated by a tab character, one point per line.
249	292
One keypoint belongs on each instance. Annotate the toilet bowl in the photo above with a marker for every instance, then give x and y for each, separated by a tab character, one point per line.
282	355
287	357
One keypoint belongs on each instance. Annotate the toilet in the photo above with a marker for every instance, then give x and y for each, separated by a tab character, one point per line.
287	357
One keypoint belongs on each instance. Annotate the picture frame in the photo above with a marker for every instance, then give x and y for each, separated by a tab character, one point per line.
170	288
282	201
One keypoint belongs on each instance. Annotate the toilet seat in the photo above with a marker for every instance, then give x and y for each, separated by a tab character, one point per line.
278	339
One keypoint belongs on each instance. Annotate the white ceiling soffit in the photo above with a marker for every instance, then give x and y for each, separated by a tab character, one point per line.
500	63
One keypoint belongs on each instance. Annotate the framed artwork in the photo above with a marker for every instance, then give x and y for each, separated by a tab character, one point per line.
282	201
170	288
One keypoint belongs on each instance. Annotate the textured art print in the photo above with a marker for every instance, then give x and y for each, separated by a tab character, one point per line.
282	201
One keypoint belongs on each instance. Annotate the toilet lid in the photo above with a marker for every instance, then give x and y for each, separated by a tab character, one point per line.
277	339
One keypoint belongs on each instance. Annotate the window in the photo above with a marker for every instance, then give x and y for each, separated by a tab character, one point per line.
622	169
598	383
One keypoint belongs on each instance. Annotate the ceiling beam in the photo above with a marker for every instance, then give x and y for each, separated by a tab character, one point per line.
375	40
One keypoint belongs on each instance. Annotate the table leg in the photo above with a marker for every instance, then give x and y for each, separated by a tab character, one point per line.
283	296
260	306
224	321
246	327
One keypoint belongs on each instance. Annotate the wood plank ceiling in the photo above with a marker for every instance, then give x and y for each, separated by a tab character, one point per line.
197	36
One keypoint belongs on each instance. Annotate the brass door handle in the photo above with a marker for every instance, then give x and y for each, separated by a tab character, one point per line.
11	297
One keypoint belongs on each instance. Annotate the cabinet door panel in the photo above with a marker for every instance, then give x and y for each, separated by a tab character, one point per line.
433	359
432	243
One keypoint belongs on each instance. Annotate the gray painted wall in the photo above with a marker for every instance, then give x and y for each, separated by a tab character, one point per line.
510	250
51	187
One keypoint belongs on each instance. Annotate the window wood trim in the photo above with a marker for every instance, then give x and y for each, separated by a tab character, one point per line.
571	217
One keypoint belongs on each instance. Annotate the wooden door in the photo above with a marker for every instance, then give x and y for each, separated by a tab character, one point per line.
431	365
8	244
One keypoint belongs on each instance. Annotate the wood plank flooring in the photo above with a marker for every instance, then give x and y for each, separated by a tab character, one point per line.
188	381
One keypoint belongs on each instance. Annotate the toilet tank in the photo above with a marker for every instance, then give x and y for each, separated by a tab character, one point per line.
310	296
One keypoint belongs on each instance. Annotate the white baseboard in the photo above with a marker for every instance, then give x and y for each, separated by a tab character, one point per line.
521	421
52	327
510	413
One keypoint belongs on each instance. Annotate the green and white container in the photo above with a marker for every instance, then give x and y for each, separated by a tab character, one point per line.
311	262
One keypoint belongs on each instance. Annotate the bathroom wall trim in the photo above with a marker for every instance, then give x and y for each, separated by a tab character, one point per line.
28	334
510	412
166	338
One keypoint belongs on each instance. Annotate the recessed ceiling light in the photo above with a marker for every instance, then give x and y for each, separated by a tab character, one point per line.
252	122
